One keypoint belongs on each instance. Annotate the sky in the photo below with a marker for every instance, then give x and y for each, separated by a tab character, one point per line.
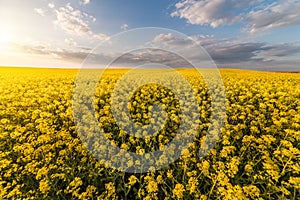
250	34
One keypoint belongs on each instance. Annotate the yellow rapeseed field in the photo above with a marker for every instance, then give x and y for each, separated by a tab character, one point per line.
256	157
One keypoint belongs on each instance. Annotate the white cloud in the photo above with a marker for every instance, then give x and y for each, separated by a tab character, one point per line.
275	15
51	5
100	36
170	40
70	42
76	22
124	27
214	12
72	22
256	14
40	11
84	2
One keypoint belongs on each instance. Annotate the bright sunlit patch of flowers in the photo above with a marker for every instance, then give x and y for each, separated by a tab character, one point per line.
42	157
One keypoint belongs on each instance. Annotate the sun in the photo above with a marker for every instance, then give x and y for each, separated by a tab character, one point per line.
5	37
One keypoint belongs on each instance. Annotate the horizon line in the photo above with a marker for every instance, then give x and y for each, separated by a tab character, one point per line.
119	67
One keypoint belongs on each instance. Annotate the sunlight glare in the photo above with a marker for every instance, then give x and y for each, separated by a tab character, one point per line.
5	37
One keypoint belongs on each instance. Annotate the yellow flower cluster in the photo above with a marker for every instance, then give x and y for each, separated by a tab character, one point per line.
42	156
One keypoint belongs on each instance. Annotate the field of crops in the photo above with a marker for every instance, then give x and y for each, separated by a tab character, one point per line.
256	157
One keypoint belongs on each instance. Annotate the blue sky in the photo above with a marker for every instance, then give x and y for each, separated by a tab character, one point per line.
251	34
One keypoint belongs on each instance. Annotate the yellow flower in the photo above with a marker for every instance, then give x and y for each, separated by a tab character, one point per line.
159	179
132	180
110	187
42	172
192	184
152	187
39	139
178	191
295	181
251	191
125	146
76	182
248	168
170	173
204	167
44	186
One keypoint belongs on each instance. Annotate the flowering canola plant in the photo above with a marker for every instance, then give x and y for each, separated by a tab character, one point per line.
256	157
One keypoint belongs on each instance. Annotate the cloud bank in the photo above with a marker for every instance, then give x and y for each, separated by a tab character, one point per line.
225	53
257	15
